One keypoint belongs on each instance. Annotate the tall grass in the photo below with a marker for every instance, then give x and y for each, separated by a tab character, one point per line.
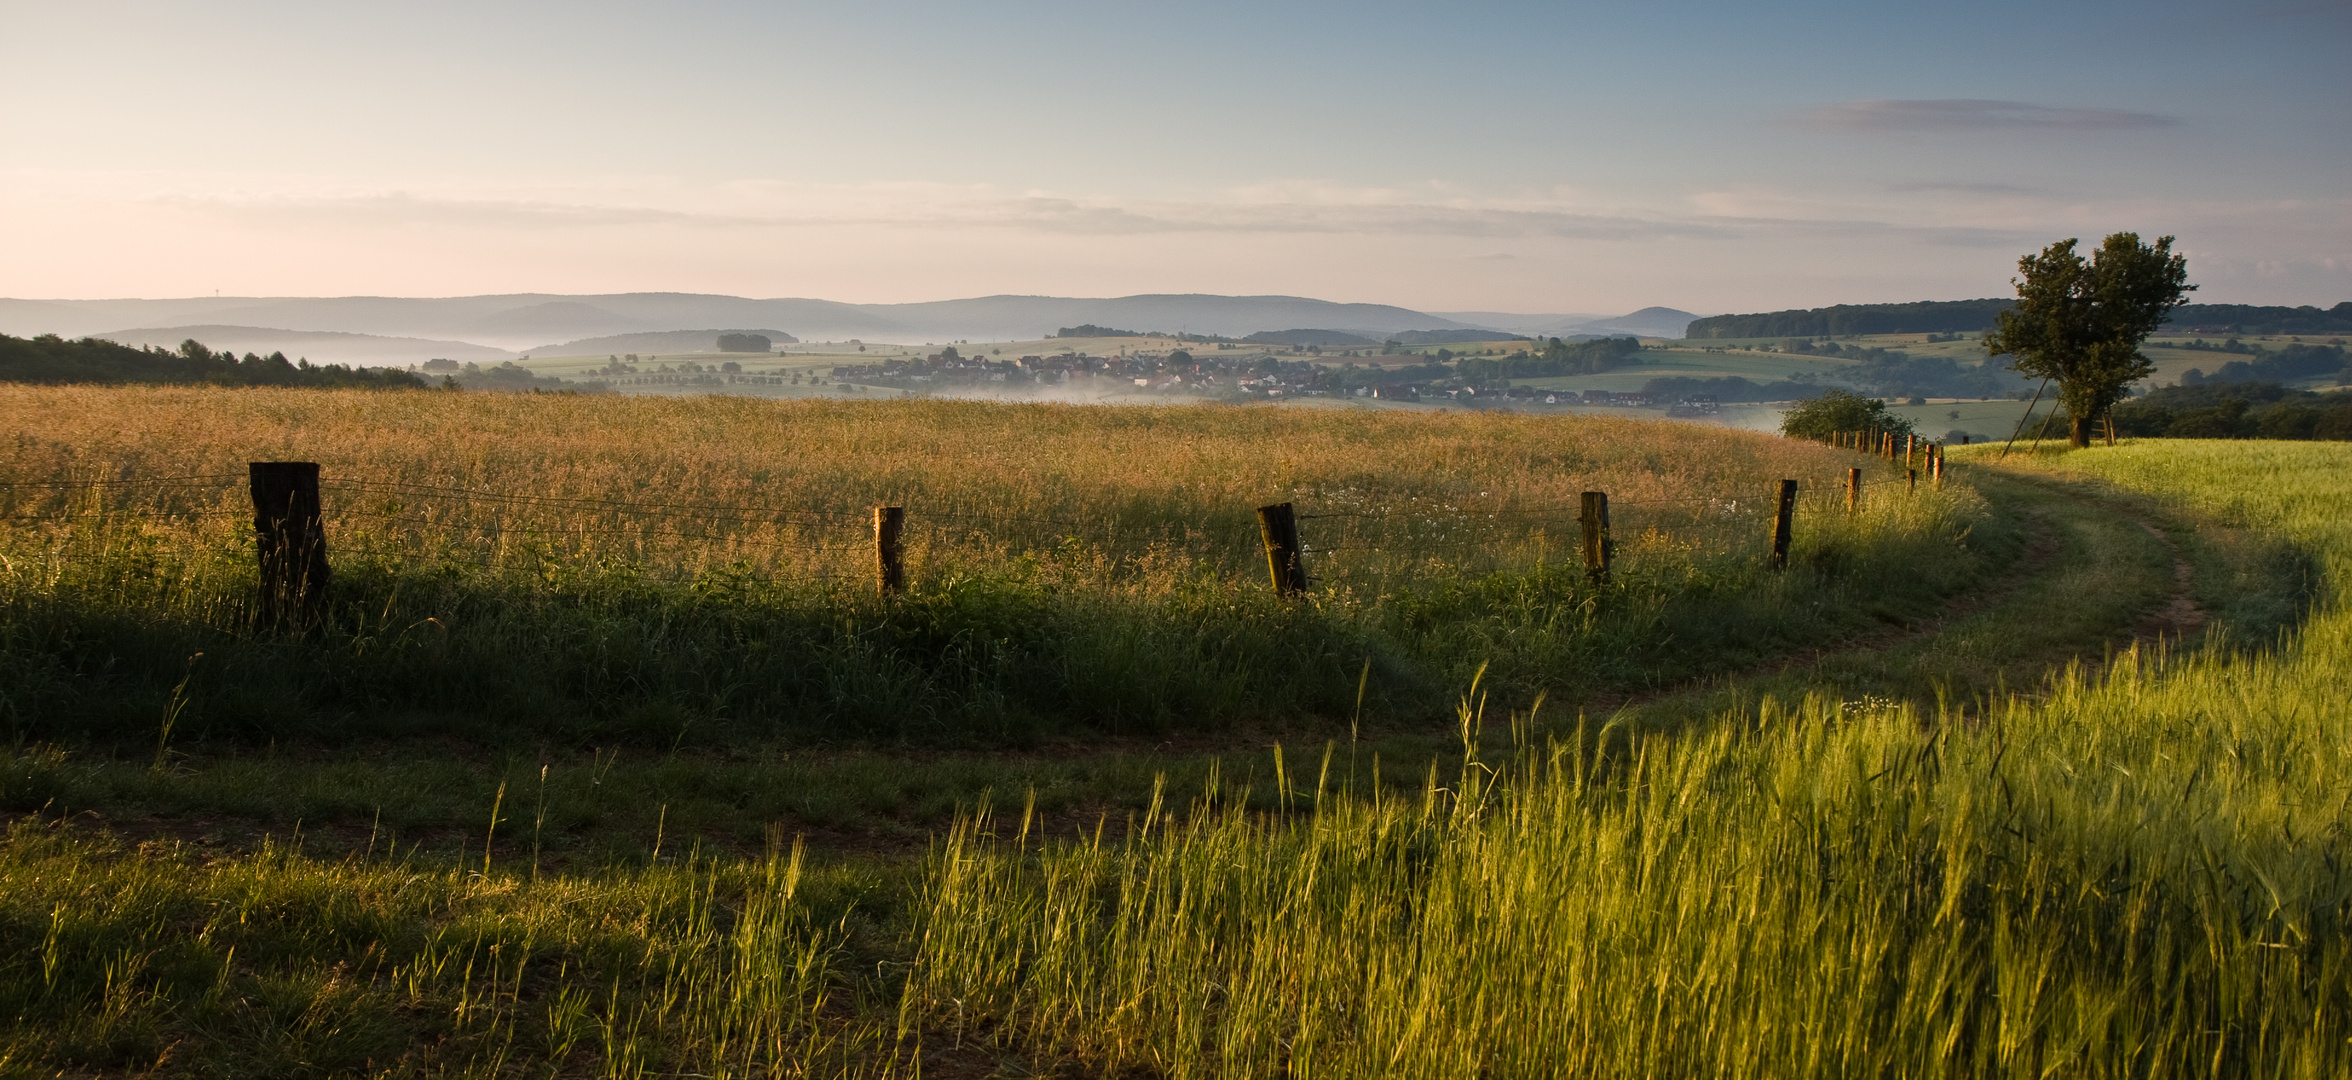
680	571
275	964
2142	872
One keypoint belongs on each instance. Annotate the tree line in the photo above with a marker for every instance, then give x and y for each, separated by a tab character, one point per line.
2243	410
1557	357
2297	361
1927	316
1970	316
51	359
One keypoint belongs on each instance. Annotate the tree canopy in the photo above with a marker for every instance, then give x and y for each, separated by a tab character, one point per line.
1557	358
2079	322
1839	410
1926	316
52	359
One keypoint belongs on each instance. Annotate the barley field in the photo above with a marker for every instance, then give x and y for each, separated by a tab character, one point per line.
2139	872
670	570
2134	866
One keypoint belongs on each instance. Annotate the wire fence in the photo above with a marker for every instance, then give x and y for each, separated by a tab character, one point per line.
1350	537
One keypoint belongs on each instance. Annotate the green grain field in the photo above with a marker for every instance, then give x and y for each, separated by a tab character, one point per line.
2044	773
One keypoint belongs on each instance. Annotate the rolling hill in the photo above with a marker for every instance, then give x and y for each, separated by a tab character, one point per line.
530	320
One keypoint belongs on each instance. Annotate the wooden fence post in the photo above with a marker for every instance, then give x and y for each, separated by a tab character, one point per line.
1911	477
291	541
1782	519
889	558
1853	490
1278	525
1597	547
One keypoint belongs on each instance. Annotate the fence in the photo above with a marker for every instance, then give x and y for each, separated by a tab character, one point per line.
299	515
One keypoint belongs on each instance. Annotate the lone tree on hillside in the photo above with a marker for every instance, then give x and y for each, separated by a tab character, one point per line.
2080	322
1840	411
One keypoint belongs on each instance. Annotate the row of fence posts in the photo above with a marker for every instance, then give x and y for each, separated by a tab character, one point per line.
290	533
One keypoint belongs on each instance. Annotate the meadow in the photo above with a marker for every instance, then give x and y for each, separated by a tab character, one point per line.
1949	851
673	571
2139	871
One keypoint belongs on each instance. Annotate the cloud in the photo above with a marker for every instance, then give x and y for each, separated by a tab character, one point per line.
1969	114
1942	187
886	208
1942	214
400	208
1422	219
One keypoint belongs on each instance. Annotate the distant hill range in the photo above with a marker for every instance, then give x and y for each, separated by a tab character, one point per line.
1657	322
406	330
1966	316
541	323
532	321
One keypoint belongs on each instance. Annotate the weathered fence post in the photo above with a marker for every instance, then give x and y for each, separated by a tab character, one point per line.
1853	490
1911	478
292	542
1597	547
889	558
1782	519
1278	525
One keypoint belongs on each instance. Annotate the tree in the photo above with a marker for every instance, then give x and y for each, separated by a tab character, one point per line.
1839	411
2080	322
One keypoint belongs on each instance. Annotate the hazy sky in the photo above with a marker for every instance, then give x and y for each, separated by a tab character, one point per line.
1450	156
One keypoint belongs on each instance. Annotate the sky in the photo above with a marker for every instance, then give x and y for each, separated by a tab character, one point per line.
1468	155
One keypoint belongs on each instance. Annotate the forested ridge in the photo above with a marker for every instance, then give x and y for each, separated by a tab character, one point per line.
1967	316
52	359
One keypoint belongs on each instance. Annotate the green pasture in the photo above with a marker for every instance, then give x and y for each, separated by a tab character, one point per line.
1982	420
1652	363
2027	836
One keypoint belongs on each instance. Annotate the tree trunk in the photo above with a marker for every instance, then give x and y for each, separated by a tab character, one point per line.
2080	430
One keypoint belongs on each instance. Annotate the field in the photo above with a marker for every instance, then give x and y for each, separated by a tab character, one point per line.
564	562
610	762
804	368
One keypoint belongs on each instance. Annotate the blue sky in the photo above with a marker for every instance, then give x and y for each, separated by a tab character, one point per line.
1493	156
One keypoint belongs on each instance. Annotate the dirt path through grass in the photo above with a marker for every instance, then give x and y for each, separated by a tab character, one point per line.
2098	574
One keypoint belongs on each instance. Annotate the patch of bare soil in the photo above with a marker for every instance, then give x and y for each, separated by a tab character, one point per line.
2180	615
